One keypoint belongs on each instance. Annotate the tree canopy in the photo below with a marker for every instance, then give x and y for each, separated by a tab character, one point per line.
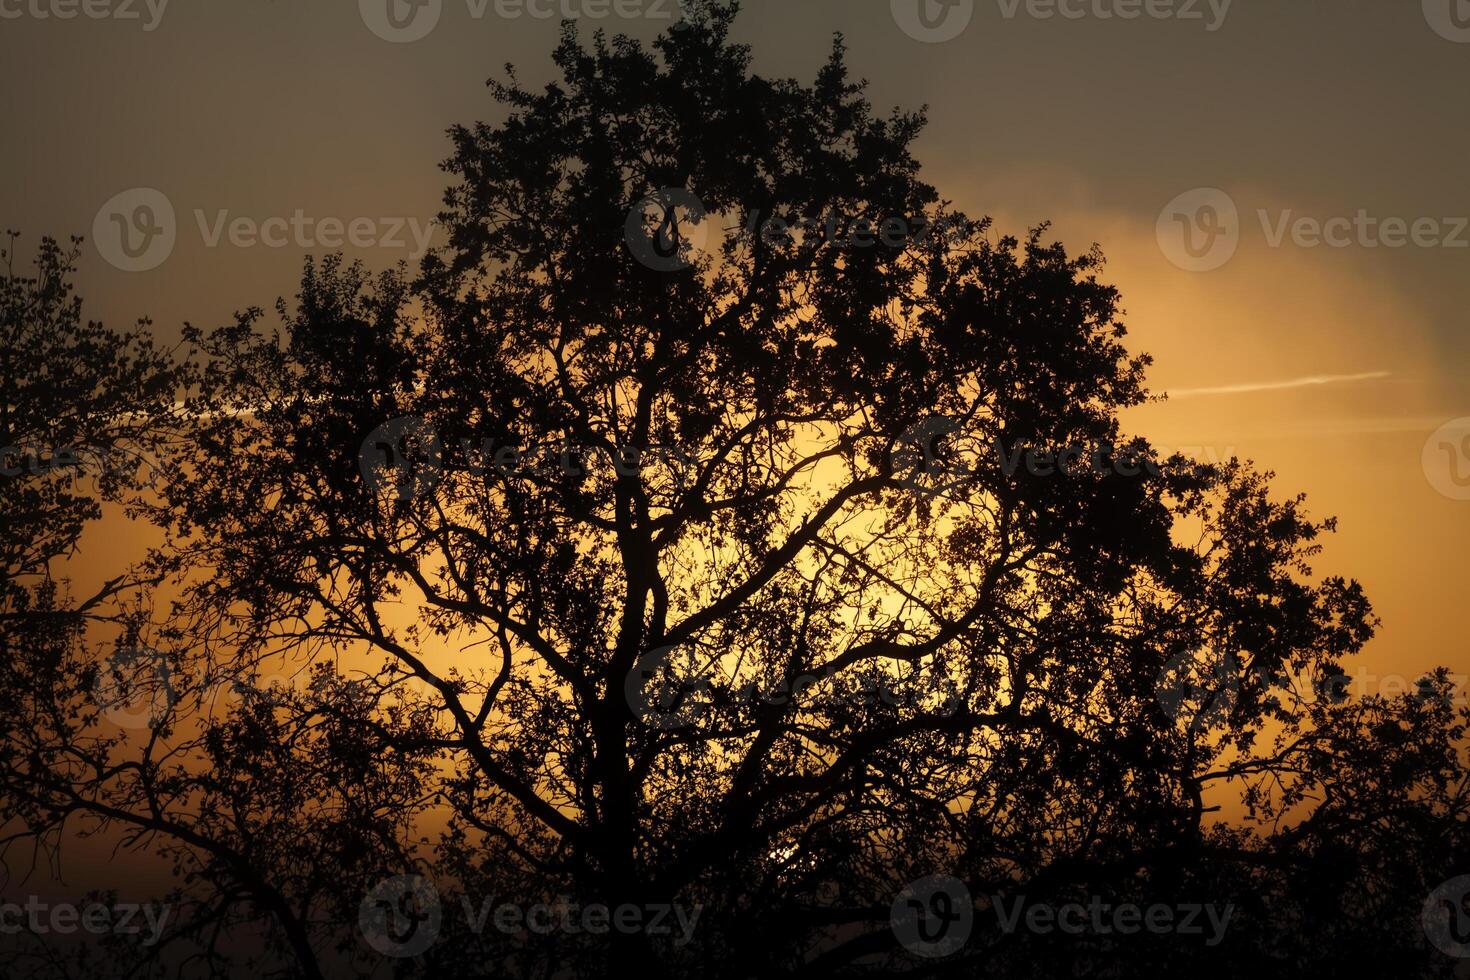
720	522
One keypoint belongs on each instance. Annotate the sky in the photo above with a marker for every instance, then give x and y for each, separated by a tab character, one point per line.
1279	186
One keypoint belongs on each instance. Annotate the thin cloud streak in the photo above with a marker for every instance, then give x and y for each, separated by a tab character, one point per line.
1307	382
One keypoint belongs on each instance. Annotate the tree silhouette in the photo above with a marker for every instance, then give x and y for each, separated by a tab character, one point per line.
723	522
85	416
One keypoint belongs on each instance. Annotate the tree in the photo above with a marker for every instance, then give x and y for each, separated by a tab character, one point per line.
723	522
85	415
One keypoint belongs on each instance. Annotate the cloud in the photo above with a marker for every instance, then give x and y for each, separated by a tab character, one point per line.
1309	381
